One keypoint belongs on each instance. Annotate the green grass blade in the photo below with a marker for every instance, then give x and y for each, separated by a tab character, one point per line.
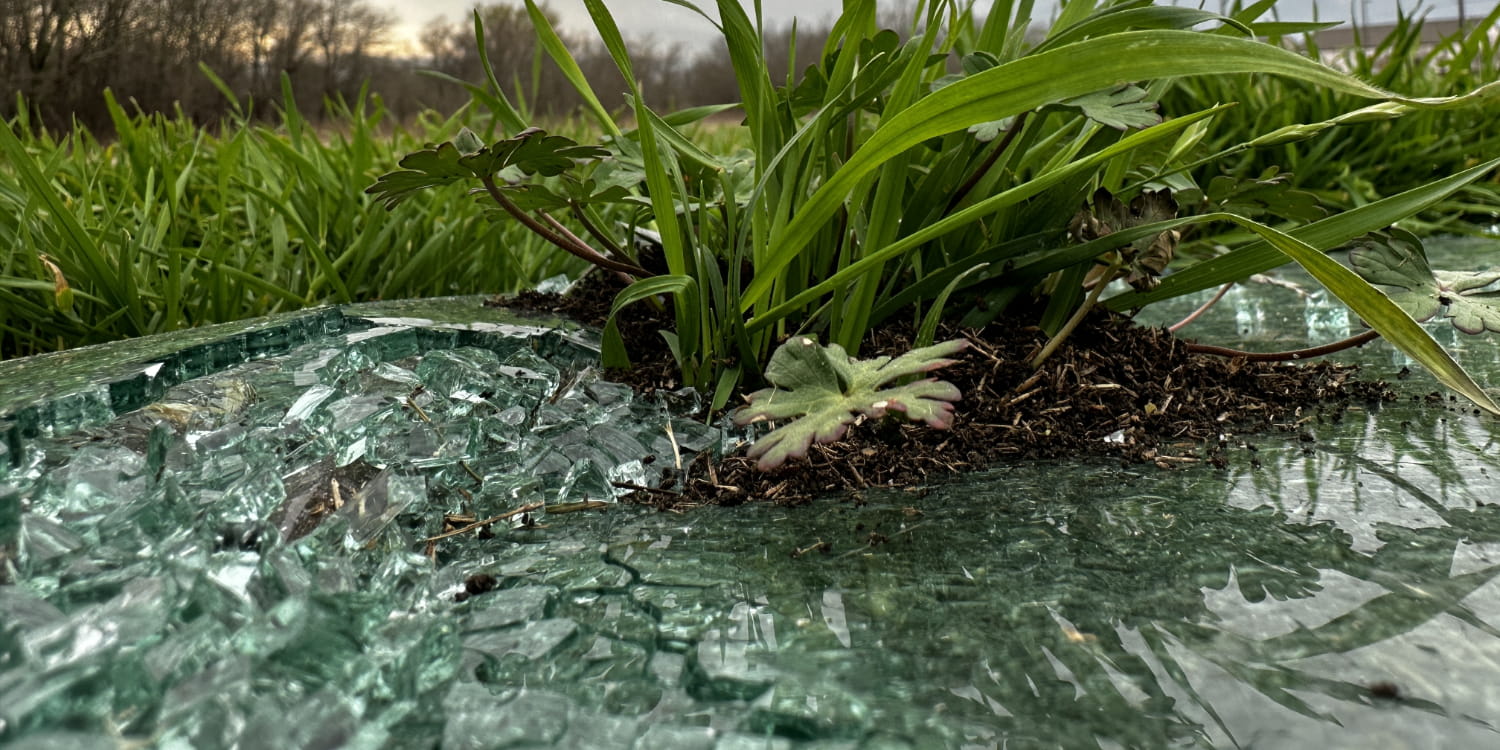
1062	73
495	99
747	56
609	33
684	147
691	115
86	251
1149	17
218	83
1377	310
928	330
1261	256
661	168
614	354
663	202
853	271
559	53
291	117
500	106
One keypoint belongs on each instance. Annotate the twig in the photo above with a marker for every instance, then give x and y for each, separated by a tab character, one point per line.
643	488
422	415
1175	327
556	508
676	451
869	546
819	546
486	522
470	470
1296	354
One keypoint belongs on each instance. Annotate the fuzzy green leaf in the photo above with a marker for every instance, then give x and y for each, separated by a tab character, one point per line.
1121	108
1396	258
428	168
531	151
1271	194
824	390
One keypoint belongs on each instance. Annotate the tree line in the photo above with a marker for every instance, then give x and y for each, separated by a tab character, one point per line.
58	56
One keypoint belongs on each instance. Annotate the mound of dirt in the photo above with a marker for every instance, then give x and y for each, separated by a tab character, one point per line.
1114	389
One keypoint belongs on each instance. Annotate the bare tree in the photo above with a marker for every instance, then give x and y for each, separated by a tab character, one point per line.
61	54
34	35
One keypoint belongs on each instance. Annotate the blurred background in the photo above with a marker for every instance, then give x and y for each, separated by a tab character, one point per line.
58	56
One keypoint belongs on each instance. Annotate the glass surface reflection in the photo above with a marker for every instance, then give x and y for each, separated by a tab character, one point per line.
248	539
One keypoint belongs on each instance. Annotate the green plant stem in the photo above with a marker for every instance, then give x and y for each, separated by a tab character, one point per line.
1203	308
1291	356
567	241
968	186
1078	315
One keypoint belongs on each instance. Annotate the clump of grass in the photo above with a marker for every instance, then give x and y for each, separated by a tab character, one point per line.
174	224
948	165
1352	166
881	184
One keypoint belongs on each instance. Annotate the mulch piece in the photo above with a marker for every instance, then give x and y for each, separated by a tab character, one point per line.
1114	390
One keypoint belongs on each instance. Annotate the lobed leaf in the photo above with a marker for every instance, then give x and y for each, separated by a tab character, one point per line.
533	152
466	157
1272	194
824	390
1396	258
1123	107
1146	257
428	168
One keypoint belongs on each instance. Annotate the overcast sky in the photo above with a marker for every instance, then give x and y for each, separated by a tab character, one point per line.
637	18
666	22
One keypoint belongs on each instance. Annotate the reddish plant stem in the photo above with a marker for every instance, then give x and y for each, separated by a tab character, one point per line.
609	244
594	231
1175	327
557	226
567	241
1298	354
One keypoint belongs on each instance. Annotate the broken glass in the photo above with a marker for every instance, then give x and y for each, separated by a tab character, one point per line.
396	526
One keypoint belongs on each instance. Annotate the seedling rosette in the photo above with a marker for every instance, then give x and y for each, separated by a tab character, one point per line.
824	390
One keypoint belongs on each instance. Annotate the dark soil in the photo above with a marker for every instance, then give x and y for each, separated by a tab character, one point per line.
1113	390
